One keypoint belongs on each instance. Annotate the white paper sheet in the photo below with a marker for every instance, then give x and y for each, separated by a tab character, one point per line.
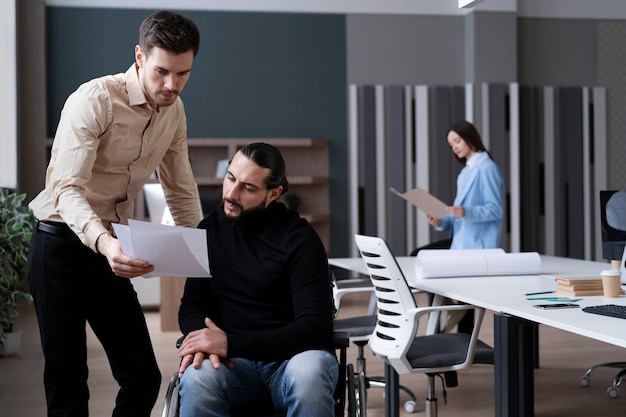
441	263
173	250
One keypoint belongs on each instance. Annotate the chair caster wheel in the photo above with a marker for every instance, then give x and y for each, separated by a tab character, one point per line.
613	392
409	406
584	381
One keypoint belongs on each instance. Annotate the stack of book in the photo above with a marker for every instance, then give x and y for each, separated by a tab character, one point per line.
577	286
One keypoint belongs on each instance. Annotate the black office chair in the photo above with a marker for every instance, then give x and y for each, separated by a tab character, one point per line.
360	329
613	227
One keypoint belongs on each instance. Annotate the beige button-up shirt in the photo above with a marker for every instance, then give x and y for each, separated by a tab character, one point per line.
108	143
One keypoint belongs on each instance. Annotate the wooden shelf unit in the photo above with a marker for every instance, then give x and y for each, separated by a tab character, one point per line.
307	169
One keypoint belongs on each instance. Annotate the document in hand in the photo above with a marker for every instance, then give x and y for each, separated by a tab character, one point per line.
173	250
438	263
424	201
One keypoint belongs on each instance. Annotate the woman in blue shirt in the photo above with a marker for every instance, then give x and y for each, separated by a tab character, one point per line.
475	218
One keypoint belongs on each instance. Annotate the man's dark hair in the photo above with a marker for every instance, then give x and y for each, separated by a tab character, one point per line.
170	31
470	135
267	156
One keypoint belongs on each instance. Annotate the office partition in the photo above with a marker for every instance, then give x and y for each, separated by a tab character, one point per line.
563	156
549	142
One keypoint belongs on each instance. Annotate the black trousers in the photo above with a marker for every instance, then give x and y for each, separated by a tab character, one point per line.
73	286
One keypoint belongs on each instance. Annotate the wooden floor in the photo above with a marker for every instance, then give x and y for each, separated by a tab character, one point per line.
564	358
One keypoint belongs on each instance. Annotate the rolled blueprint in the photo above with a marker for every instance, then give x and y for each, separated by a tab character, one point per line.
441	263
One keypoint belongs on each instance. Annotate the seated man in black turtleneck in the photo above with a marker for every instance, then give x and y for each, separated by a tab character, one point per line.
258	332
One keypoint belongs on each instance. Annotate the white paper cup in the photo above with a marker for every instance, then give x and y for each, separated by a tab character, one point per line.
611	283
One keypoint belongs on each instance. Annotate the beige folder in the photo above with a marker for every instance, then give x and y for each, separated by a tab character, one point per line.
424	201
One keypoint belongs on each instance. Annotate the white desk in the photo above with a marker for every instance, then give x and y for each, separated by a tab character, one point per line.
515	321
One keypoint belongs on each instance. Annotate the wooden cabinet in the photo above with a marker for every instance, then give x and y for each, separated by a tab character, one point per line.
306	162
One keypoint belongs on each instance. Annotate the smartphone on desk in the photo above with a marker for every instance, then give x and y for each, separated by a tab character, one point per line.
556	306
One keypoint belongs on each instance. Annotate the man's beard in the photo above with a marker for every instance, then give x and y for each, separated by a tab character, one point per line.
243	214
162	103
154	95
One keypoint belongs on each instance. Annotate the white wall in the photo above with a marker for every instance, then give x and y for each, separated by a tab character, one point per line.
8	115
428	7
570	9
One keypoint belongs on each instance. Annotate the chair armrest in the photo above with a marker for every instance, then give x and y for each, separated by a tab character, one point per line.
352	286
179	341
413	316
341	339
443	308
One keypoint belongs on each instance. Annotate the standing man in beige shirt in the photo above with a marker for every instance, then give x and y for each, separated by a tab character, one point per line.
114	132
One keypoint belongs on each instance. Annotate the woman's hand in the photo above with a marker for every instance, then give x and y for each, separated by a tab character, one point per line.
434	221
456	211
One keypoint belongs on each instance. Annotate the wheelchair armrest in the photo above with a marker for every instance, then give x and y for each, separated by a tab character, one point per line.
341	339
179	341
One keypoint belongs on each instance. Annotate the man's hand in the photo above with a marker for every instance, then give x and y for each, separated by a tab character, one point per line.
210	343
121	264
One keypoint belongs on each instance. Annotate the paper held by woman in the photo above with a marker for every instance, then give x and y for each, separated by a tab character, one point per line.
424	201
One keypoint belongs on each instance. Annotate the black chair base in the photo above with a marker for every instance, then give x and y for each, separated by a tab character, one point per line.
613	390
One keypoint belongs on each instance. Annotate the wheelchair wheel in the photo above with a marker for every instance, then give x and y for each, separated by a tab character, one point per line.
357	392
351	385
361	390
170	406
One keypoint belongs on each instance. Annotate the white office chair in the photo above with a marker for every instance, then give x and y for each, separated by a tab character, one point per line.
158	210
360	329
395	337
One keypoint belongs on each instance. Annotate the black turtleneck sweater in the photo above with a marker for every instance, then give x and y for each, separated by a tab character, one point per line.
270	289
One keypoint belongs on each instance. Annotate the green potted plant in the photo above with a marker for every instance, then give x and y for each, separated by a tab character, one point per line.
16	226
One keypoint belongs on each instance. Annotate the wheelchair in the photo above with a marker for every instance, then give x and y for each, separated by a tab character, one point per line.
351	387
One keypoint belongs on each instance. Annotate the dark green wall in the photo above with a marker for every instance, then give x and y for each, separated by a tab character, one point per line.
256	75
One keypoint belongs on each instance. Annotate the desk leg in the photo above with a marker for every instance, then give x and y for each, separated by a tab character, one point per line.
392	392
535	342
514	366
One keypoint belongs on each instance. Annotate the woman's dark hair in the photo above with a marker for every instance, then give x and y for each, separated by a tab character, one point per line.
170	31
267	156
470	135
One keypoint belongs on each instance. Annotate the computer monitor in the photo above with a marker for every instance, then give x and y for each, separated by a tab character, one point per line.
613	222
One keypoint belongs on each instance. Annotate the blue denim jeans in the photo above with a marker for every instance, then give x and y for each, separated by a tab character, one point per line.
302	386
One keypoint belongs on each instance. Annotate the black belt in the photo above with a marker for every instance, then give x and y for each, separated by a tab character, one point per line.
56	228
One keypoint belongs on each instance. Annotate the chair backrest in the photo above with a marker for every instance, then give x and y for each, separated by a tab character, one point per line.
393	294
613	223
155	200
157	204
